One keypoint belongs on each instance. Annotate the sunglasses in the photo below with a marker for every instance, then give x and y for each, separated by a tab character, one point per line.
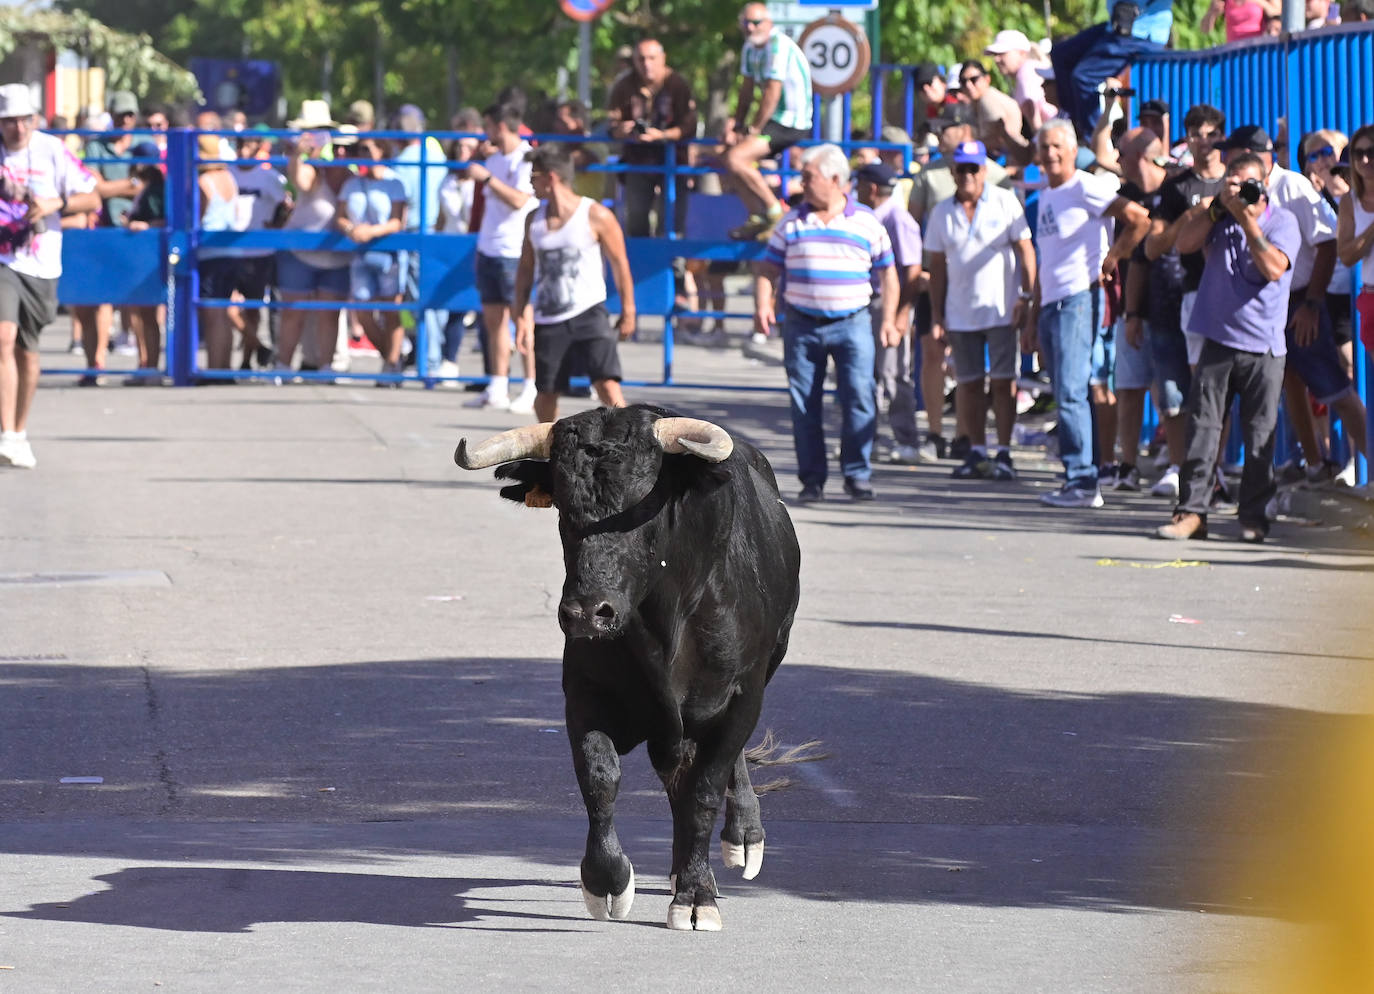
965	169
752	22
1325	152
971	78
1365	152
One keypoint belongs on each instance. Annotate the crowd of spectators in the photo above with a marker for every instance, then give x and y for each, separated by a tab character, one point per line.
1031	259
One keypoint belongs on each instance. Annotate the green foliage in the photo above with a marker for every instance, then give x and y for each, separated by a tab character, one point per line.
130	60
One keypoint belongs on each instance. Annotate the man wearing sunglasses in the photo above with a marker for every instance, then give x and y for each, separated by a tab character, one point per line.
772	64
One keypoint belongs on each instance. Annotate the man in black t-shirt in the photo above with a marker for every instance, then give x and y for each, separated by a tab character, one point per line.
648	108
1173	350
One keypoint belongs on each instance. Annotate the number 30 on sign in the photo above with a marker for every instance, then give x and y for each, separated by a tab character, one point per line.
838	52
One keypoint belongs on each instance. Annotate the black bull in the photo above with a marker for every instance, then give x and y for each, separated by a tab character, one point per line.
682	582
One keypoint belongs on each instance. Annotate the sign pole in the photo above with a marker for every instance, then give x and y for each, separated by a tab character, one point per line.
584	62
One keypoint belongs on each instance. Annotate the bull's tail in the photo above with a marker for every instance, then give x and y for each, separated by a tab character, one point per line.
770	752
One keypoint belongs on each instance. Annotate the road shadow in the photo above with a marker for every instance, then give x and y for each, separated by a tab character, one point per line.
931	790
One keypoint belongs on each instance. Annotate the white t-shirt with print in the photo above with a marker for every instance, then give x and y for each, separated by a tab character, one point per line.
48	168
980	264
1073	234
262	189
1316	219
503	227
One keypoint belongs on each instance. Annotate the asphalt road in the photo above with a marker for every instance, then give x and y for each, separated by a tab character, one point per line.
315	666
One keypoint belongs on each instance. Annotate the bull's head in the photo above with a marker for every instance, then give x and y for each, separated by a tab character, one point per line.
608	474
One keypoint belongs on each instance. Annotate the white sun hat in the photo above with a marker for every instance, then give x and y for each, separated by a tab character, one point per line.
16	100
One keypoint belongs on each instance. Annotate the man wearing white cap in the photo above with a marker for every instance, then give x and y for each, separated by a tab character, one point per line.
1018	59
40	180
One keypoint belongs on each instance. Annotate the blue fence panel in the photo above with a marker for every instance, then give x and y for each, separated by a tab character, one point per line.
95	263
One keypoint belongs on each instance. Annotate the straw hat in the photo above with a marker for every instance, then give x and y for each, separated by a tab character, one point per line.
314	114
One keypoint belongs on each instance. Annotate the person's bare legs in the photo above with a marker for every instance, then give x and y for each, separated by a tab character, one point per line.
384	334
95	332
1130	419
546	407
933	383
1104	403
148	335
292	327
752	186
1300	416
1004	410
1351	411
971	411
496	320
9	375
608	391
326	332
218	337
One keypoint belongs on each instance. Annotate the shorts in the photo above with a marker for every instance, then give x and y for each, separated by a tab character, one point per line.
375	276
1134	368
297	276
255	275
1002	354
496	278
29	302
1192	338
1173	372
586	339
1342	323
1318	365
780	138
218	277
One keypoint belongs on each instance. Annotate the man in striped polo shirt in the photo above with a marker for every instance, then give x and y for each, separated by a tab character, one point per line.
771	63
833	253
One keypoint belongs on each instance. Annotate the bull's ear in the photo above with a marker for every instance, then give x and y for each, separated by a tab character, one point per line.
703	476
534	482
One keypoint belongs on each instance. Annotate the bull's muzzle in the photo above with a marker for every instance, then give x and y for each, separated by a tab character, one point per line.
589	618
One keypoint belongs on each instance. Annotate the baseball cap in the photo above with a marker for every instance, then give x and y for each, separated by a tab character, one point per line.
123	102
145	150
877	173
895	135
1160	108
927	73
1010	40
1248	137
970	153
1046	71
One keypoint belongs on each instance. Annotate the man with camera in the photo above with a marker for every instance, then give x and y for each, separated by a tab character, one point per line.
1241	310
649	107
40	181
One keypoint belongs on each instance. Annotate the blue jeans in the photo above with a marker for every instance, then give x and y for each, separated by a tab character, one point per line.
1066	344
808	342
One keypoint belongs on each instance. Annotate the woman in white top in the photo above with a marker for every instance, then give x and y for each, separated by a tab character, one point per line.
1355	226
374	206
312	275
218	191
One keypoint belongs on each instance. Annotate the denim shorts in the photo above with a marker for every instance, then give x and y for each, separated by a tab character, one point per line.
375	276
295	276
1318	365
496	278
1173	373
1104	351
1134	368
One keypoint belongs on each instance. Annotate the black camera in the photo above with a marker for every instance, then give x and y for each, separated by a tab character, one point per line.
1250	192
1124	91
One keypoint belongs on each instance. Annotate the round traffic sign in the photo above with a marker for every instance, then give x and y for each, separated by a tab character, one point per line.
838	52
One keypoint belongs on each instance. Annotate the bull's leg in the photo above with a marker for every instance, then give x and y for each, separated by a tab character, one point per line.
741	838
608	878
695	810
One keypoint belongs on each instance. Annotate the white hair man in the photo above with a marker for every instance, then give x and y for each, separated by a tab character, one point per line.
41	181
829	318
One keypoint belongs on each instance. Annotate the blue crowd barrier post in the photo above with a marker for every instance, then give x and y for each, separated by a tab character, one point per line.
421	316
670	226
181	223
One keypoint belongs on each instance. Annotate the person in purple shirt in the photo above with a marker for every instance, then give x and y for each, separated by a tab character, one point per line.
894	367
1241	310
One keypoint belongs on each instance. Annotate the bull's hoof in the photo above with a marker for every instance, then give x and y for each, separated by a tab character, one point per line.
749	856
702	918
612	907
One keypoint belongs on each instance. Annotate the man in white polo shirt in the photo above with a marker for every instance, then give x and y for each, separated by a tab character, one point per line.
832	251
40	182
982	271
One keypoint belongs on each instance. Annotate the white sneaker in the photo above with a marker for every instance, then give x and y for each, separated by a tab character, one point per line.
1346	477
758	338
524	404
1167	485
17	452
497	402
448	375
906	455
124	344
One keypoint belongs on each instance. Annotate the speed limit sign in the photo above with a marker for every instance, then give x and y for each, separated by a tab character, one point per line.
838	52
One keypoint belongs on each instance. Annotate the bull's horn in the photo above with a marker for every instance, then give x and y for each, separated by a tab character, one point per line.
529	442
701	438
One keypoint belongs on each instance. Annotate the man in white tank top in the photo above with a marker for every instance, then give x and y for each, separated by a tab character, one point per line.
568	241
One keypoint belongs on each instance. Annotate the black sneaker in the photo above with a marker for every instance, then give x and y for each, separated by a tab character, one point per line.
1106	476
1127	478
960	448
811	494
859	489
1002	469
976	467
